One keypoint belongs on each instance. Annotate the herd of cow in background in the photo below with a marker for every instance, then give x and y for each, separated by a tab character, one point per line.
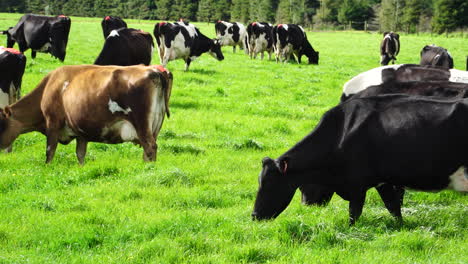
396	127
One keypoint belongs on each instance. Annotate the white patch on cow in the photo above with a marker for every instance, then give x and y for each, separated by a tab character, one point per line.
177	49
127	131
285	26
4	99
366	79
190	28
66	134
302	29
115	107
260	25
113	33
436	56
65	85
459	180
45	48
458	76
2	49
158	110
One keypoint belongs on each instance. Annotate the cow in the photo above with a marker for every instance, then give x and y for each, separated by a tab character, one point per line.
389	48
90	103
110	23
40	34
12	64
436	56
232	34
260	39
126	46
291	39
182	40
397	140
401	73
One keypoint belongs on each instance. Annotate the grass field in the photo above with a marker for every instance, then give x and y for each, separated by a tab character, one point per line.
193	205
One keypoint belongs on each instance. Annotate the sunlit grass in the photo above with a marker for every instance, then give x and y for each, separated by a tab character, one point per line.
193	205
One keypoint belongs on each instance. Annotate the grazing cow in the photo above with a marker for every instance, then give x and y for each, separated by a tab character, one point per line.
401	73
436	56
12	64
40	34
110	23
397	140
291	39
389	48
232	34
126	46
181	40
110	104
260	39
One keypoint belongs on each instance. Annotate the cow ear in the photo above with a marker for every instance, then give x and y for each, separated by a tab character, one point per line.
266	161
283	165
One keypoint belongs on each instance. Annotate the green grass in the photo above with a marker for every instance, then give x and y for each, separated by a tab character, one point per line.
193	205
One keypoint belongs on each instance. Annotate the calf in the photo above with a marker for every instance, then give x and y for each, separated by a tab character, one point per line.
397	140
389	48
260	39
40	34
436	56
126	46
182	40
232	34
110	104
291	39
12	64
110	23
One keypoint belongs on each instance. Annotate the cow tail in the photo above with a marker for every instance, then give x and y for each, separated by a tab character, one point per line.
168	90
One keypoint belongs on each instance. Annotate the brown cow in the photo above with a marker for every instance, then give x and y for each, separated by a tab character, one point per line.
110	104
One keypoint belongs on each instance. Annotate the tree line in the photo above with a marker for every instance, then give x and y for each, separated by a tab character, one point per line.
398	15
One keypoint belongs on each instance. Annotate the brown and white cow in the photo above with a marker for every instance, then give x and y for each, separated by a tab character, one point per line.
109	104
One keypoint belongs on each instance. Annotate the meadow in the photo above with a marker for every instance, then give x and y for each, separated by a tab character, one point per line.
193	205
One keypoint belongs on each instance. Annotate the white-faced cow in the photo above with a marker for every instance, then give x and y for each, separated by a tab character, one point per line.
110	23
389	48
260	39
182	40
40	34
126	46
291	39
89	103
398	140
232	34
436	56
12	64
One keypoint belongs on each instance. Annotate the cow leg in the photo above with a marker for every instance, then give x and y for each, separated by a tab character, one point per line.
392	196
187	63
81	145
52	141
261	55
33	54
147	141
313	194
356	203
234	49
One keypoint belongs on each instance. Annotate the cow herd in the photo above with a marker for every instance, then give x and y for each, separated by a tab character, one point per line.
396	127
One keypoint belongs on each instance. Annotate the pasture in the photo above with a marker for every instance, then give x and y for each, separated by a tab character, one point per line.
193	205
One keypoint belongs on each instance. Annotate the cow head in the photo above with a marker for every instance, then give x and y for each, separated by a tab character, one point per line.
275	192
314	57
58	34
215	50
10	40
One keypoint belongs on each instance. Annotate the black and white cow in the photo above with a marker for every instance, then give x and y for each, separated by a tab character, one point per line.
291	39
40	34
392	140
260	39
232	34
389	48
110	23
126	46
182	40
436	56
401	73
12	64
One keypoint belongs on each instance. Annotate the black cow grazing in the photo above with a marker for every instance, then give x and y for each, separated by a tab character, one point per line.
232	34
389	48
40	34
260	39
126	46
401	73
436	56
182	40
291	39
12	64
110	23
397	140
